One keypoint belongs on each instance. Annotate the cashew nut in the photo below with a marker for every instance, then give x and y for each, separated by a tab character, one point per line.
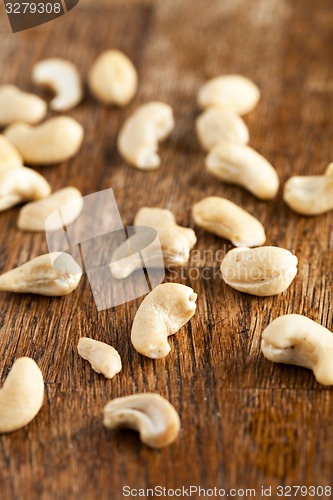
230	91
310	195
162	313
33	216
55	140
113	78
21	396
297	340
143	130
175	242
259	271
103	358
239	164
150	414
227	220
55	274
18	106
63	78
9	156
21	184
217	124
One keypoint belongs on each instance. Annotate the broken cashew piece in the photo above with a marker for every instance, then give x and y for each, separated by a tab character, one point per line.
217	124
261	271
310	195
21	184
21	396
103	358
142	131
175	242
239	164
150	414
19	106
54	141
54	275
227	220
35	216
235	92
63	78
297	340
162	313
113	78
9	156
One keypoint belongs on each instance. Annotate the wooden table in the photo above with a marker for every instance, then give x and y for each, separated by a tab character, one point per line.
246	422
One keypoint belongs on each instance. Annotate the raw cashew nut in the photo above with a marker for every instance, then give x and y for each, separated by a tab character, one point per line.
18	106
21	396
113	78
143	130
103	358
33	216
162	313
239	164
297	340
259	271
227	220
21	184
63	78
230	91
175	242
310	195
152	416
217	124
52	274
9	156
56	140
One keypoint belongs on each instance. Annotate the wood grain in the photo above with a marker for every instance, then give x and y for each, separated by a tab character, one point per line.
245	421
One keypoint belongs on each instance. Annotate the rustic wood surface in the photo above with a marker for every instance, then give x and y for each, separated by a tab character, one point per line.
245	421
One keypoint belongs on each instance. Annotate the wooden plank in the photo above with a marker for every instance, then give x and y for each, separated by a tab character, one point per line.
245	421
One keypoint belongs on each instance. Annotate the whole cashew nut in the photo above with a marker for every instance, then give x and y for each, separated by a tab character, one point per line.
18	106
150	414
63	78
162	313
310	195
21	184
55	274
297	340
21	396
54	141
143	130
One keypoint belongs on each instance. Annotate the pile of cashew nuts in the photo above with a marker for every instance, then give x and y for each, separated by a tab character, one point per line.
250	267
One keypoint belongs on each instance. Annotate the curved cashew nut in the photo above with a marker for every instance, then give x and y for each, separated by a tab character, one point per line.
310	195
55	274
227	220
241	165
18	106
9	156
113	78
35	216
162	313
151	415
262	271
230	91
103	358
63	78
297	340
21	396
217	124
143	130
56	140
21	184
